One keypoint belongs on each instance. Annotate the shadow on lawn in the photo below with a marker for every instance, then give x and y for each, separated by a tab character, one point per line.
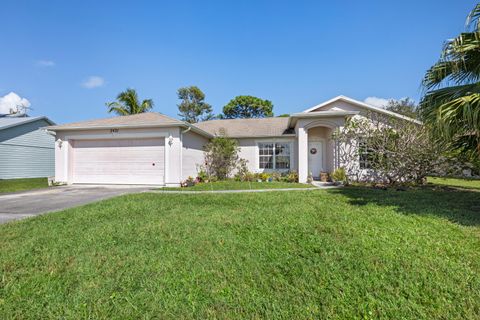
460	206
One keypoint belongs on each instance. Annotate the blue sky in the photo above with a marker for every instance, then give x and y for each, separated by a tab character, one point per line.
70	57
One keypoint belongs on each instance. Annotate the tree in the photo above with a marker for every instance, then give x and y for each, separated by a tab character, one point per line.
127	104
406	107
451	103
221	156
193	108
384	149
247	107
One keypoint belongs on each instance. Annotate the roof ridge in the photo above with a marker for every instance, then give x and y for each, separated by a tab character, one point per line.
243	119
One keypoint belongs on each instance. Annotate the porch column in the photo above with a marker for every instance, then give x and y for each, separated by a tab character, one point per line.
302	155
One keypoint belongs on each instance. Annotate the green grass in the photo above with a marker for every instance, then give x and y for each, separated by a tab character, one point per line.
348	253
239	185
456	182
14	185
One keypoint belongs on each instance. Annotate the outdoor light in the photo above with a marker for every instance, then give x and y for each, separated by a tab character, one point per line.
170	140
59	141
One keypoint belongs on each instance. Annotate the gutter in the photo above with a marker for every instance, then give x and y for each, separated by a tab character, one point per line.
167	125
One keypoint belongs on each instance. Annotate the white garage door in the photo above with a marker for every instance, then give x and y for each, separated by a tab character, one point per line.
126	161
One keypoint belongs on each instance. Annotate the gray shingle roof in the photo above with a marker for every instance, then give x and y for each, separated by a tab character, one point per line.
148	119
266	127
247	128
7	122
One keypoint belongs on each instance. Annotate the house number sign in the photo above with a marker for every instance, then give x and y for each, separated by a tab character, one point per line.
113	130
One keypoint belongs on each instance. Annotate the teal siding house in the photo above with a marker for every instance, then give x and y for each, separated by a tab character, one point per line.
26	149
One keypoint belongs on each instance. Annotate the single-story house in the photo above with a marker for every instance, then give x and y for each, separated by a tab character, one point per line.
152	148
26	150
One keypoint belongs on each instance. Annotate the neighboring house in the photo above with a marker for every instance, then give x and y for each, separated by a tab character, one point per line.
26	150
152	148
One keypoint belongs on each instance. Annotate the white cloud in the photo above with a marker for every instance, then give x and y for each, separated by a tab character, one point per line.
12	102
377	102
93	82
45	63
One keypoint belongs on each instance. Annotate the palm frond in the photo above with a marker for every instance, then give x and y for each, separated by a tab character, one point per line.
473	18
146	105
460	62
128	103
451	104
118	110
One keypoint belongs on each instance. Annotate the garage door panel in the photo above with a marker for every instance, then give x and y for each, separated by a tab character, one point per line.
126	161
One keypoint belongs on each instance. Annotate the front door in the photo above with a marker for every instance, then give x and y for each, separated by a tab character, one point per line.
315	158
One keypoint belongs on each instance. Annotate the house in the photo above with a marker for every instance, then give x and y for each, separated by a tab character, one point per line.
152	148
26	150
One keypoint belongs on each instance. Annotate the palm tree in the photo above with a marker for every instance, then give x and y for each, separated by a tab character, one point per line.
451	103
127	103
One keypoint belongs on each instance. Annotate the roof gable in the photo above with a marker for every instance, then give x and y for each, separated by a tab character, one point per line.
343	103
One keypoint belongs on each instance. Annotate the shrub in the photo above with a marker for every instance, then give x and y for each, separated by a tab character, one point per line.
221	155
243	174
276	176
339	175
250	176
263	176
292	176
202	176
391	151
190	182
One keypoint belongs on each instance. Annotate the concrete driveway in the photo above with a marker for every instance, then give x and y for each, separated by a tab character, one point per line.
31	203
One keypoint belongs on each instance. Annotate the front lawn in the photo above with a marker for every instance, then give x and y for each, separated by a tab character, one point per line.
456	182
240	185
345	253
14	185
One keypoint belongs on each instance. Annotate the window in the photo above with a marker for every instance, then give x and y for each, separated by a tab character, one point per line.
265	152
274	156
366	155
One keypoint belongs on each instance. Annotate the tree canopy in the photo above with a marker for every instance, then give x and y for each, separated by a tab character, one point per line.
128	103
247	107
193	107
451	104
406	107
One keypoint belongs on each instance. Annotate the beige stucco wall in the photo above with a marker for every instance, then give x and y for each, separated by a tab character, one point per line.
64	160
192	154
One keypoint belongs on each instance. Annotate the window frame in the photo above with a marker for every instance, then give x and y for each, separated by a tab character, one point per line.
368	154
274	142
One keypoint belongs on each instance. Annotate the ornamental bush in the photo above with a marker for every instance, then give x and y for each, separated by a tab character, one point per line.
221	156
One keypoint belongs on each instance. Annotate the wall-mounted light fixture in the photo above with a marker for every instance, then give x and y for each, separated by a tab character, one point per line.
170	140
60	142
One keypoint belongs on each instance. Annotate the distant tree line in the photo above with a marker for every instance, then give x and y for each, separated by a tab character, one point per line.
192	107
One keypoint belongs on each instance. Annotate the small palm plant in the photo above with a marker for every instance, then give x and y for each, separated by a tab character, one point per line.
128	103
